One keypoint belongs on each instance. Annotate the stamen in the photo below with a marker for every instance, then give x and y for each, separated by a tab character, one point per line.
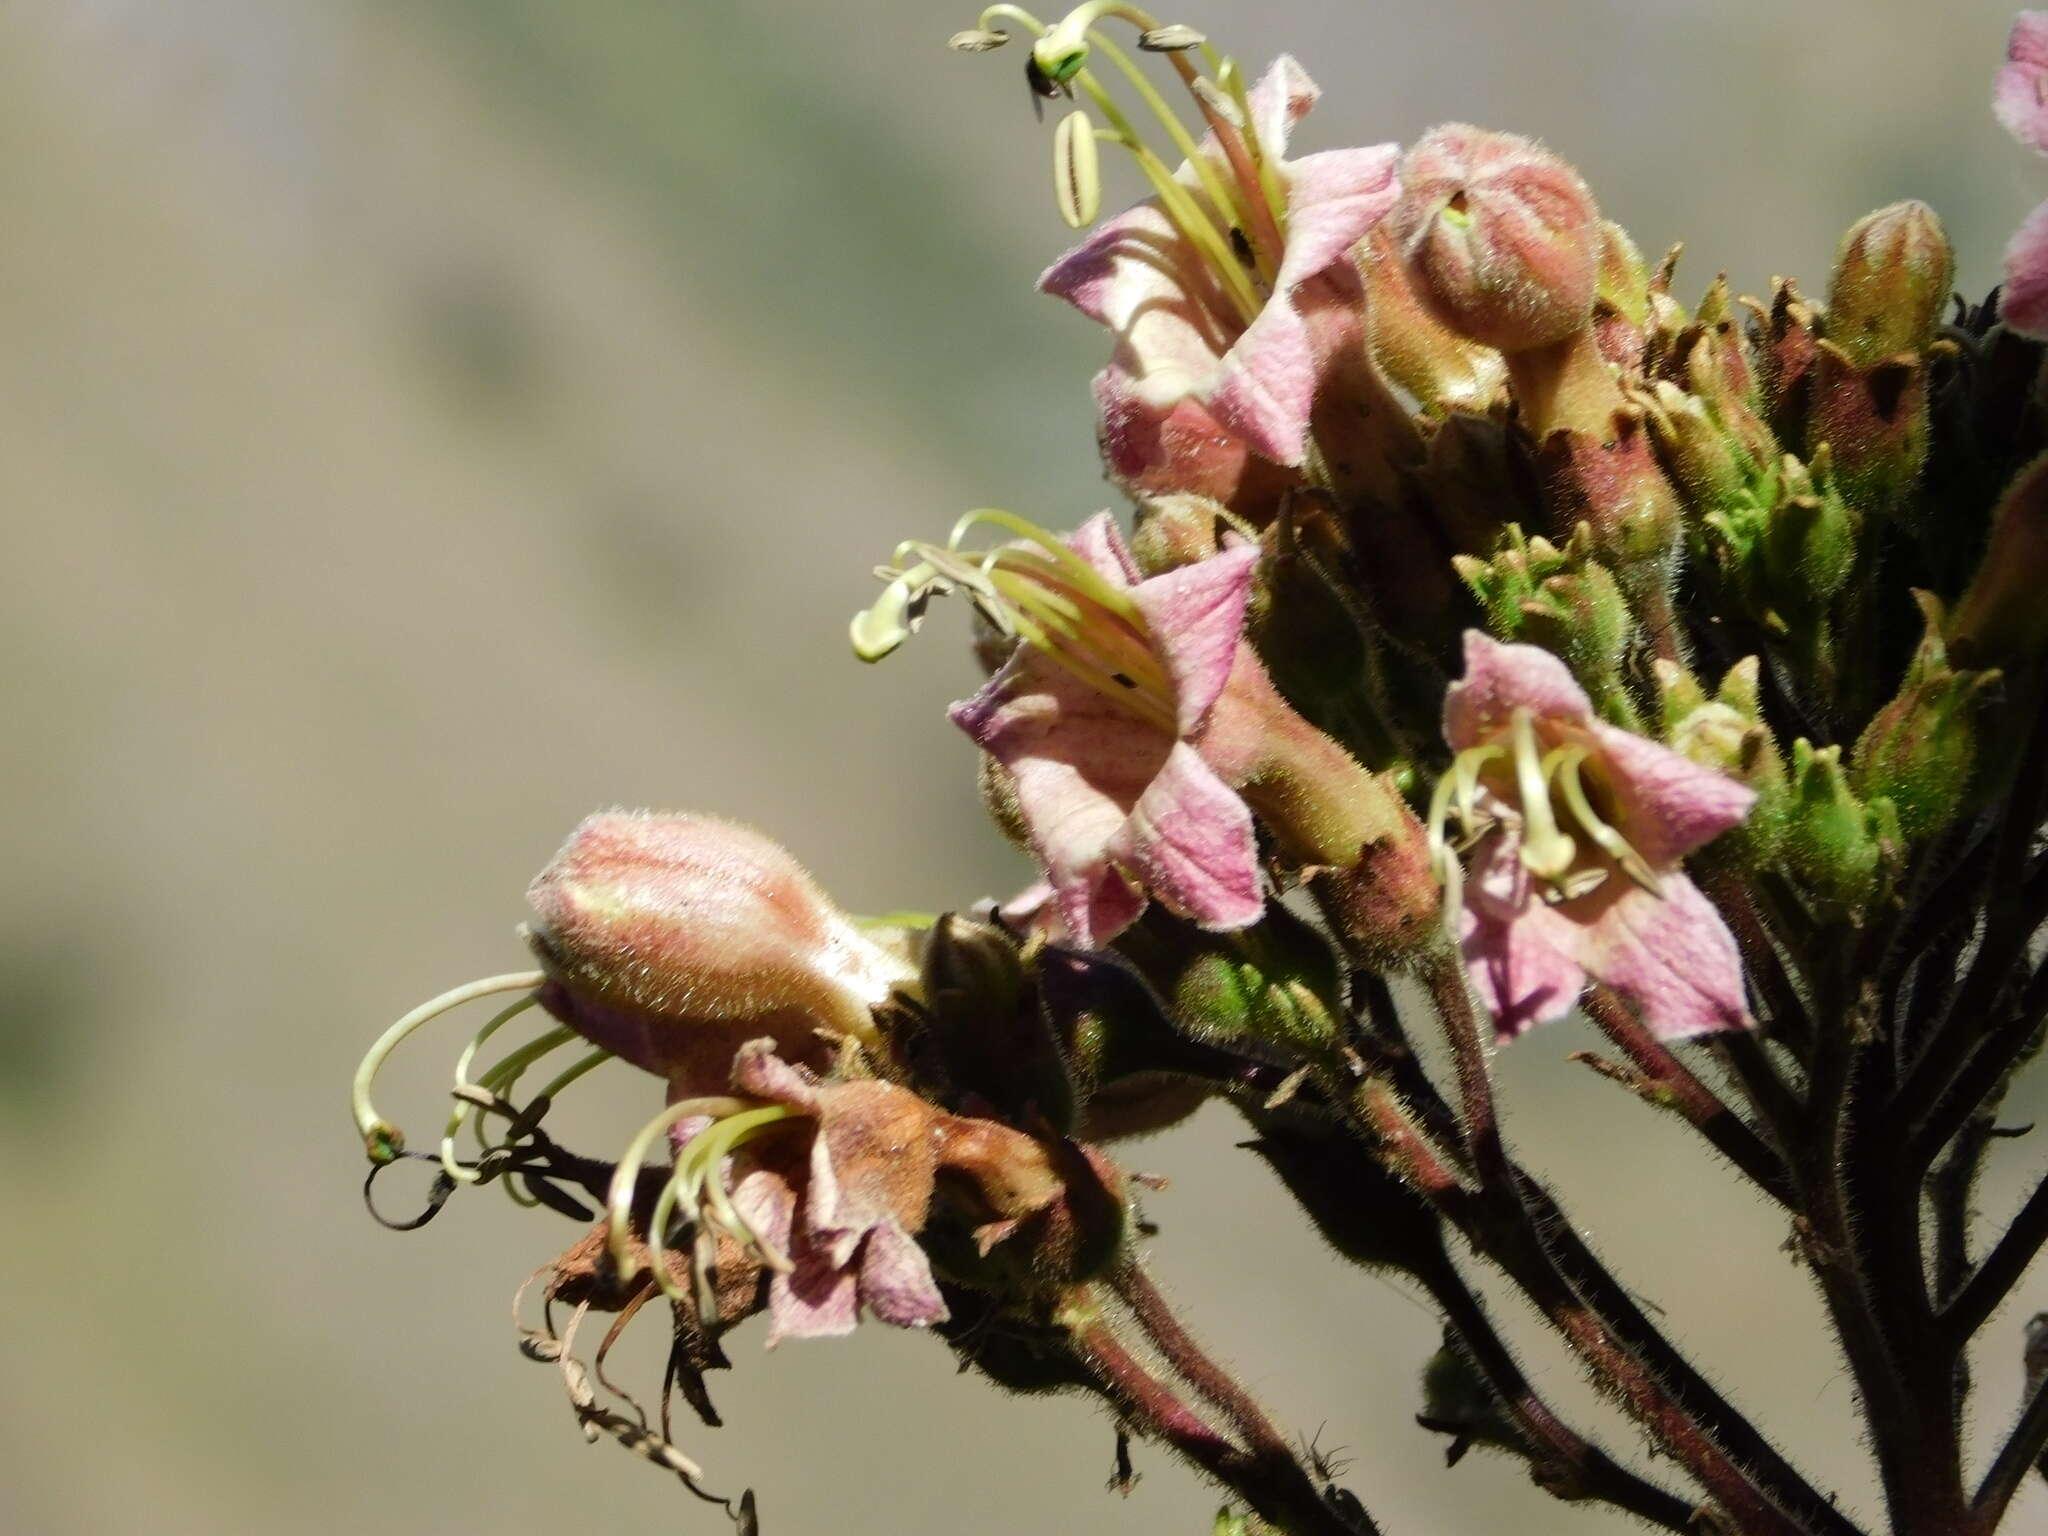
699	1180
1042	593
1618	847
463	1086
1077	169
1547	852
1171	38
626	1177
382	1140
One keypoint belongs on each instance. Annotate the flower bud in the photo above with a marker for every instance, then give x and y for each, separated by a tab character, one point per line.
1176	530
1892	282
984	1036
1433	363
665	936
1920	750
1838	846
1788	347
2001	619
1621	307
1501	237
1727	732
1875	422
1611	480
1275	982
1306	627
1565	601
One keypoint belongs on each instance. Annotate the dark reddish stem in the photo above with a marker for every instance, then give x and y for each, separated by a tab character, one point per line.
1667	1081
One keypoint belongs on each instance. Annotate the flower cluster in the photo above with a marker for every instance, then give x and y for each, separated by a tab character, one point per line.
1490	624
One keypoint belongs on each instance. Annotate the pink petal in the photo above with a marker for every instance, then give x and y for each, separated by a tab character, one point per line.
1190	840
1498	680
1196	613
815	1301
1518	951
1265	385
1152	449
1281	99
2020	96
1672	957
1334	199
1108	276
758	1072
1080	764
2023	302
1099	542
1671	805
896	1280
1135	275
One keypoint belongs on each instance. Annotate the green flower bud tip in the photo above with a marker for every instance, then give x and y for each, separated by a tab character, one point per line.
1891	285
1920	750
1836	844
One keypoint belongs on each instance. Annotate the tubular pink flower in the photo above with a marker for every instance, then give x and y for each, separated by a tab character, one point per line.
2020	100
1192	368
1117	795
1579	830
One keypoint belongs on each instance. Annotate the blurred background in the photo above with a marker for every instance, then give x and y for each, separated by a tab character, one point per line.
423	423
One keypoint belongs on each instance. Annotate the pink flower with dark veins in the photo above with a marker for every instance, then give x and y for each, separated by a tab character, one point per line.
2020	100
1578	831
1222	339
1112	781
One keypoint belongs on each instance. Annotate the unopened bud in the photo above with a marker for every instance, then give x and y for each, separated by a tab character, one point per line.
1875	421
1417	351
1920	750
1788	349
1892	283
1621	310
1837	845
1727	732
2001	619
1564	600
1276	982
653	927
1176	530
1501	237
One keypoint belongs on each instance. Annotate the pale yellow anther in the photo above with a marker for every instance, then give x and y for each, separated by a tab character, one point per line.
1077	169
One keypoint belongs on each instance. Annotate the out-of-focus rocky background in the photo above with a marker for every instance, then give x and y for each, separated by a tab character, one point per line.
423	423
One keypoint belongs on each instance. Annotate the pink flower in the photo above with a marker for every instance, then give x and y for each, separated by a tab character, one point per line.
845	1214
1212	364
2020	100
839	1216
1112	780
1576	870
